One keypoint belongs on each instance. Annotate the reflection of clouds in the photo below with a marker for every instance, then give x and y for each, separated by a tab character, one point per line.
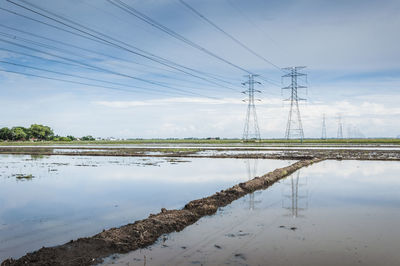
365	171
202	170
114	174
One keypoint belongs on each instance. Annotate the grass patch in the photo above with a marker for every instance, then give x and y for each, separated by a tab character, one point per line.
24	177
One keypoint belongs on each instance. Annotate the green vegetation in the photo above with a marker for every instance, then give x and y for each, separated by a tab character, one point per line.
24	177
88	138
35	133
279	142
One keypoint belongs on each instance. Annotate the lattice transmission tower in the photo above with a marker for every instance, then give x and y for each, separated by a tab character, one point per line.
251	130
323	134
340	128
294	127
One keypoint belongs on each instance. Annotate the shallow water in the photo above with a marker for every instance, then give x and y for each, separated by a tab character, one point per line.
238	146
76	196
331	213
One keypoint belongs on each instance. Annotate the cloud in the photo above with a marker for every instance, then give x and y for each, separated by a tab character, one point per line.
350	48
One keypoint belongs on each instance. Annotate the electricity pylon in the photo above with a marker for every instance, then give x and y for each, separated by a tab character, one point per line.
340	127
294	127
251	130
323	135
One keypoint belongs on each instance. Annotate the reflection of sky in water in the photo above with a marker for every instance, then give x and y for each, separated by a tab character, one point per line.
331	213
95	147
71	197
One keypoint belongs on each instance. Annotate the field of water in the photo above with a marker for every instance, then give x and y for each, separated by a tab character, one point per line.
331	213
49	200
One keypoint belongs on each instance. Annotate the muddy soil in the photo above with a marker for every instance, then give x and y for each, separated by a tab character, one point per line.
91	250
285	154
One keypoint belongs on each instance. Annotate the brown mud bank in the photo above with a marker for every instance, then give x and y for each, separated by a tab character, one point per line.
91	250
265	153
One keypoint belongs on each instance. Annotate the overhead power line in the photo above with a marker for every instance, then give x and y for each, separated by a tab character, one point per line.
76	76
67	81
100	68
228	35
129	9
86	50
93	35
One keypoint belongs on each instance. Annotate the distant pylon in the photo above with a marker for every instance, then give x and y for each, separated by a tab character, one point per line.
294	127
251	130
323	135
340	128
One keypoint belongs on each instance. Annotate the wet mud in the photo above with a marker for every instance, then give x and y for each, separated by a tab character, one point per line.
265	153
140	234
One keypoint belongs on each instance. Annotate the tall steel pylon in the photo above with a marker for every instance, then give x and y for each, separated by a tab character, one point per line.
251	130
340	127
294	127
323	134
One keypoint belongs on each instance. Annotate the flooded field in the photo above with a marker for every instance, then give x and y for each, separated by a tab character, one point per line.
49	200
332	213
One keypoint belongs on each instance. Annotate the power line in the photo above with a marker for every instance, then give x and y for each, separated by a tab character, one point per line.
228	35
113	43
77	47
170	32
67	81
37	57
254	24
100	68
76	76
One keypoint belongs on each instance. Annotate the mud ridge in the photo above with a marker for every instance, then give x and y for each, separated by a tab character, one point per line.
91	250
281	154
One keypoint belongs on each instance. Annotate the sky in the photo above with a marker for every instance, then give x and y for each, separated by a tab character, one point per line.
113	86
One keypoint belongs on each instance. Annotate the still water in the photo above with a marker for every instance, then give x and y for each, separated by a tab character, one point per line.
331	213
75	196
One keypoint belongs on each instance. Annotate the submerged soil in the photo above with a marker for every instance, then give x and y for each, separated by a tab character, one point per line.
262	153
91	250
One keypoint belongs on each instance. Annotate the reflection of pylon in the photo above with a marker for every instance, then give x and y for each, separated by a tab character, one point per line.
251	130
297	201
251	167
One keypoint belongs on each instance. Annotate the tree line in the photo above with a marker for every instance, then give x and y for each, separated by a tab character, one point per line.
36	133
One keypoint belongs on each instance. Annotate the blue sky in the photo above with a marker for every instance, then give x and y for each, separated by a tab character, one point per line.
350	49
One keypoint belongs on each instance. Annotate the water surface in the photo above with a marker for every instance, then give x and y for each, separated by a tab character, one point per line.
76	196
331	213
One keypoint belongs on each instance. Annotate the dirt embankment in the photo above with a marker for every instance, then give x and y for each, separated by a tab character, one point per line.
265	153
91	250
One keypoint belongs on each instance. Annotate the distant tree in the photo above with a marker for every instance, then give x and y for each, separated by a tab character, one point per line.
19	133
40	132
71	137
5	133
88	138
64	139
